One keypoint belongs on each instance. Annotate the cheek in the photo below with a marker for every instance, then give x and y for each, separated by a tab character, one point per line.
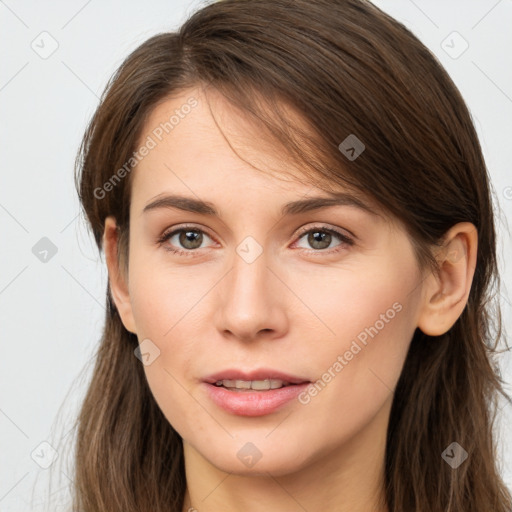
162	297
163	309
357	301
372	316
167	318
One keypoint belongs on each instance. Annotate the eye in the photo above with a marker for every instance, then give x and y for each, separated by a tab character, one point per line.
321	237
188	237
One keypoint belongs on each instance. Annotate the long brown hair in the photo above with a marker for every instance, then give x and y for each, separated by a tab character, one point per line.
345	67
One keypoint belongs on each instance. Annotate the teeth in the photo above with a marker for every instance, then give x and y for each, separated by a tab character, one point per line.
258	385
242	384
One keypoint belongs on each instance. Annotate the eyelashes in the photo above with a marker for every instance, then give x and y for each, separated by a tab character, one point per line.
188	234
345	240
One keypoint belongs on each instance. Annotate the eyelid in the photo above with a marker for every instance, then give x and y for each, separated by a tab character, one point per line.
326	227
186	225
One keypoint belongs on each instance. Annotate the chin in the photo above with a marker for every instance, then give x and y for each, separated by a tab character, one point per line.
245	459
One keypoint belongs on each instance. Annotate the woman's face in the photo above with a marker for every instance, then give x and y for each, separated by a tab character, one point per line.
259	290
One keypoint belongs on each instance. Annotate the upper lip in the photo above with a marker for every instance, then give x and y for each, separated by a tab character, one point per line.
259	374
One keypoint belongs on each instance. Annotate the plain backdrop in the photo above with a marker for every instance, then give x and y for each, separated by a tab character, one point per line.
55	61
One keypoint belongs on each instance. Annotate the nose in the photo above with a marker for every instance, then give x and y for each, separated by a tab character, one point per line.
252	301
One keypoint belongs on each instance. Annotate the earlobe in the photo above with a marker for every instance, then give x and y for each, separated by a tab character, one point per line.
445	296
118	282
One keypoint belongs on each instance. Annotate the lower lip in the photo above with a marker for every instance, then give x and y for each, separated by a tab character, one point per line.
254	403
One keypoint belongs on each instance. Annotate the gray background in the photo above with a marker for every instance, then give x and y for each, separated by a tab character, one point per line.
52	312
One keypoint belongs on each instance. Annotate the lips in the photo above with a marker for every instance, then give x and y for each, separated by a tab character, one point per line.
251	402
260	374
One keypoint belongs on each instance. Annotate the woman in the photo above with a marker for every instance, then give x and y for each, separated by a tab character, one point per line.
298	228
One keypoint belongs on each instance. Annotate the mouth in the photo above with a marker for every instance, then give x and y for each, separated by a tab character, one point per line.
252	385
259	380
253	393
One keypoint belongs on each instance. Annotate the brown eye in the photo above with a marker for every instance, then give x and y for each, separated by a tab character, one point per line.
190	239
185	240
320	238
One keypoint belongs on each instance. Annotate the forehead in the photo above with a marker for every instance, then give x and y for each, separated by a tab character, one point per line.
198	130
203	146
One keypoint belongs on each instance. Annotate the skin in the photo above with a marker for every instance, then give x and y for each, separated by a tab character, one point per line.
293	308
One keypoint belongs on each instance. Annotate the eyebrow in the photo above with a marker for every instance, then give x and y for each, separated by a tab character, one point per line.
190	204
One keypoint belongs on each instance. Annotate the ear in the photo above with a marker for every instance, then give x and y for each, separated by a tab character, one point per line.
118	282
445	297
